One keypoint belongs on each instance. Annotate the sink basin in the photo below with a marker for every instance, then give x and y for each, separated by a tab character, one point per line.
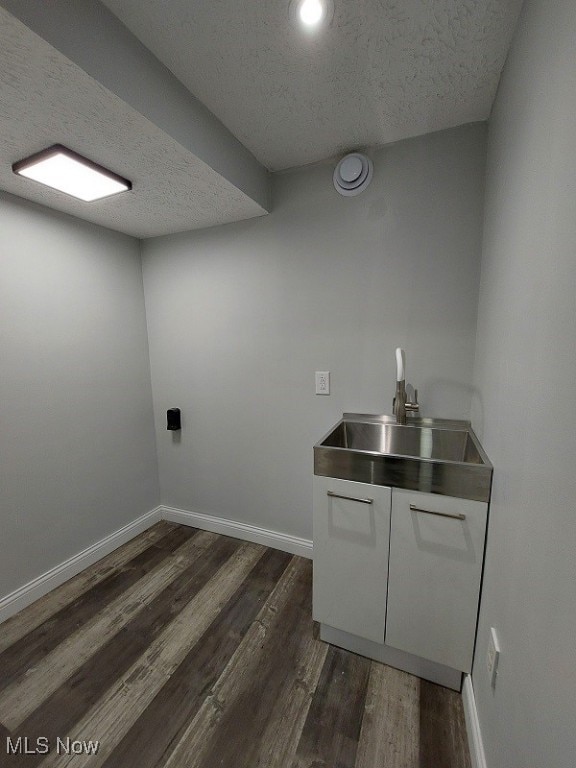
432	455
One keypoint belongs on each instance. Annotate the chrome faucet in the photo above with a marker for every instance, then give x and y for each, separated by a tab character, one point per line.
400	403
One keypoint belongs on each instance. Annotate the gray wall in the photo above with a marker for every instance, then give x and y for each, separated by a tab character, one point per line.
240	317
77	453
526	376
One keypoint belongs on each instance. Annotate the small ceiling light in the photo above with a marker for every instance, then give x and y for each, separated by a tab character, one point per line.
311	12
66	171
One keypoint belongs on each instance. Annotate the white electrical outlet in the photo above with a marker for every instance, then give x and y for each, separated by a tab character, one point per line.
492	656
322	382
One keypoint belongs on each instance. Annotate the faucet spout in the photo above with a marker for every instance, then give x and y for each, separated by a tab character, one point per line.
400	364
401	404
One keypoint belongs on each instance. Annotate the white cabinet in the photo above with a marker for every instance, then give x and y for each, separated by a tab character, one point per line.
397	574
436	555
351	542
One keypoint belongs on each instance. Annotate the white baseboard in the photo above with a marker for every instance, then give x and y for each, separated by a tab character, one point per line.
283	541
56	576
477	754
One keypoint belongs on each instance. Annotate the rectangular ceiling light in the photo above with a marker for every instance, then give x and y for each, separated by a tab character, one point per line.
62	169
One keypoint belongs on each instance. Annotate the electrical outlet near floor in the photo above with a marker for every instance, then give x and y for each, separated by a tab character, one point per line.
492	656
322	382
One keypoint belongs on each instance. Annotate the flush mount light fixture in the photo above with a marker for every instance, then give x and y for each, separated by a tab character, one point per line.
312	14
62	169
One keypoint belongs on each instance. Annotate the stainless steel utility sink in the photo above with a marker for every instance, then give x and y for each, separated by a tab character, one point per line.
432	455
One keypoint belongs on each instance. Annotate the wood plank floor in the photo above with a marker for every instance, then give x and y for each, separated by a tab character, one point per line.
187	649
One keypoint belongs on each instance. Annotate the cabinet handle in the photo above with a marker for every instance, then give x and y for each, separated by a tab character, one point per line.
350	498
455	516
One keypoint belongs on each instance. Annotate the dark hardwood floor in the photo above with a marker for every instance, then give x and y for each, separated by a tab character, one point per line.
187	649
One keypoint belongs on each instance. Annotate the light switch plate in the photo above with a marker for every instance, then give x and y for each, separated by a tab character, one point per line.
322	382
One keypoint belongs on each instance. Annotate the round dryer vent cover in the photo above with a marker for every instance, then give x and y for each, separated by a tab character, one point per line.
353	174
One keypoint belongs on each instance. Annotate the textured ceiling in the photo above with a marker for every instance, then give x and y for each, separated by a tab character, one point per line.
46	99
382	71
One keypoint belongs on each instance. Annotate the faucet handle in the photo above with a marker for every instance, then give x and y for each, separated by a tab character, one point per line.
413	406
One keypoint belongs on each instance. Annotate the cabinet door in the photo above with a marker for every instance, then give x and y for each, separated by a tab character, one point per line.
351	541
434	577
